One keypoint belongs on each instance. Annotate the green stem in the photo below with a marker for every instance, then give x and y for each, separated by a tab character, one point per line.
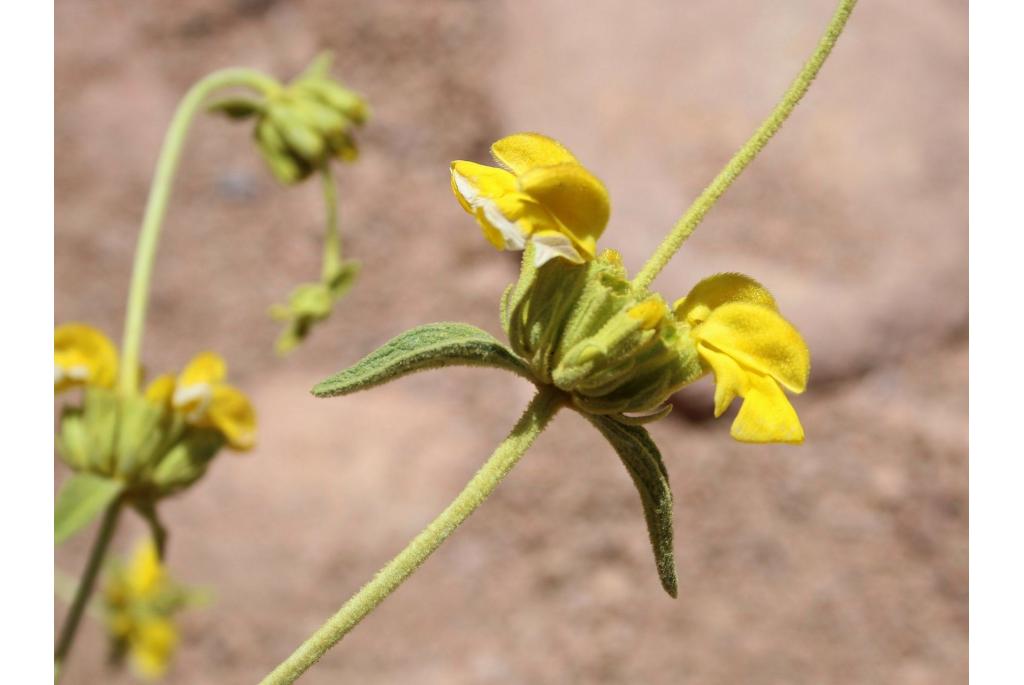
332	238
85	585
746	154
536	417
156	208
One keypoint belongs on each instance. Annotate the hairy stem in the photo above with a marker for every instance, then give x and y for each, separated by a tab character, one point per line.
85	585
332	237
156	208
536	417
746	154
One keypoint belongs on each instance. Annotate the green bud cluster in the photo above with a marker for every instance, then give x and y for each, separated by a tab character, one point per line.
311	303
148	447
586	330
299	127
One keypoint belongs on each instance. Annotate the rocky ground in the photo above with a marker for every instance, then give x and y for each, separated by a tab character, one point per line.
841	561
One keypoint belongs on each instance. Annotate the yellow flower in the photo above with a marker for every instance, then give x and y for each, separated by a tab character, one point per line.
82	355
541	195
752	350
140	600
153	646
205	400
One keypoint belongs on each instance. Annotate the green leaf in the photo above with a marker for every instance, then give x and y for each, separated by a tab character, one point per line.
79	501
236	108
643	461
425	347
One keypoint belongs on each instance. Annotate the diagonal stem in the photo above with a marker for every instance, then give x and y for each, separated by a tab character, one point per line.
746	154
536	417
84	589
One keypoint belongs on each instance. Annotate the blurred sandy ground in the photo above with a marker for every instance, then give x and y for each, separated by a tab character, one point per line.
844	561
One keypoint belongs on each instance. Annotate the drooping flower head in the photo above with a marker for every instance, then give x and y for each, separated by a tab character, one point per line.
304	124
541	195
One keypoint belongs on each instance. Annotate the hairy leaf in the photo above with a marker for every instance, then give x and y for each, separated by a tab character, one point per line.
79	501
643	461
425	347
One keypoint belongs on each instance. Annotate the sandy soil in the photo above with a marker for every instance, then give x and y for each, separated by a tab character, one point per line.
842	561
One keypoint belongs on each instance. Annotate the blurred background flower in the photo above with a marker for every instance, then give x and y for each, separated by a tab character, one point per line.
842	561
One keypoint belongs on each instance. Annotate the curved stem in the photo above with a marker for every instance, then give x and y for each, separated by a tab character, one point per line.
156	208
332	237
536	417
85	585
746	154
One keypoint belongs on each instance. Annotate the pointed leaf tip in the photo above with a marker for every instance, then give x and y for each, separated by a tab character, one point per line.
642	459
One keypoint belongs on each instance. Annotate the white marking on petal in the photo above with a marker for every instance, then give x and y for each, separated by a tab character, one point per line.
199	394
466	188
514	237
72	373
548	246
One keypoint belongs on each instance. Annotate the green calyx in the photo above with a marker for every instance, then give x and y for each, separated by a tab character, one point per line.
311	303
147	449
584	329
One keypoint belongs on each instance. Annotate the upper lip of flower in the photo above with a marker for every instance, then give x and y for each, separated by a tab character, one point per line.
540	194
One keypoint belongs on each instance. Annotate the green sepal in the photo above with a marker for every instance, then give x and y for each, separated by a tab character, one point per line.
342	280
237	108
642	459
81	499
187	460
425	347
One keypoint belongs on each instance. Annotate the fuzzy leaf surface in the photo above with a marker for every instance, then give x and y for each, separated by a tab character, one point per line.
642	459
425	347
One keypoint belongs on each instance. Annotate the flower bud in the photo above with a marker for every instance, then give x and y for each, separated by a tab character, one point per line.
585	330
144	444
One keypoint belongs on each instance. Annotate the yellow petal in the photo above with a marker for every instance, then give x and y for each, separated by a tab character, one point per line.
205	367
82	355
714	291
232	413
649	313
522	152
161	389
478	188
145	573
760	339
153	645
730	378
575	197
766	414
